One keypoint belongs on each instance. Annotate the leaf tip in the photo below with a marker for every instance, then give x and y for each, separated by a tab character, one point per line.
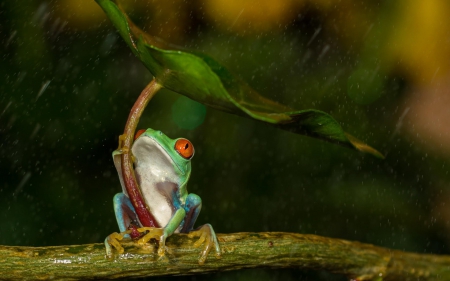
363	147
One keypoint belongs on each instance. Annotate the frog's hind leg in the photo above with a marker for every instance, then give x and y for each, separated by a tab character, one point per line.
127	221
125	213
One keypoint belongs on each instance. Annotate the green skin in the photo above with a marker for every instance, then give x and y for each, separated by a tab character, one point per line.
162	175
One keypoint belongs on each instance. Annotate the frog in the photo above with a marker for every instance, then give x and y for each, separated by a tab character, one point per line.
162	168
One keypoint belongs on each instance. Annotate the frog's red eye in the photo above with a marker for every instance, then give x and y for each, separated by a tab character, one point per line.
184	148
138	133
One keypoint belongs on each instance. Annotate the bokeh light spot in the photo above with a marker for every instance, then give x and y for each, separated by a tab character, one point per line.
188	114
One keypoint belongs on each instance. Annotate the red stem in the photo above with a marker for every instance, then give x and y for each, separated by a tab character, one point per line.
129	178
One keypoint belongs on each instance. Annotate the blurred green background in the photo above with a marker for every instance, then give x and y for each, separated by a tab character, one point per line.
381	68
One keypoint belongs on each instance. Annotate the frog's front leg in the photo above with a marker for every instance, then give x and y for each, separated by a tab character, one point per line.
206	232
161	234
187	217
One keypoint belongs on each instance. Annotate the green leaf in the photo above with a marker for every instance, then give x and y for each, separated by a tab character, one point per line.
202	79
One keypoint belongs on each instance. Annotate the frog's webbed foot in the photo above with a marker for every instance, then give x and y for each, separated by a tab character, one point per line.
113	240
133	232
208	237
154	233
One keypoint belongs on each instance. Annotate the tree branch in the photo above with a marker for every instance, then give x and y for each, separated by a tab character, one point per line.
239	250
126	162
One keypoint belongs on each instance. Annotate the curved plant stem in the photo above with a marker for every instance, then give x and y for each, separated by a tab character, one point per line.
355	260
125	142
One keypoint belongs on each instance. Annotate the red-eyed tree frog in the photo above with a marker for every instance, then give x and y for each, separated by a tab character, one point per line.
162	169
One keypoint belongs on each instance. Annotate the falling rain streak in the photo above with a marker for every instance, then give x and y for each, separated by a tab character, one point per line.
22	183
43	88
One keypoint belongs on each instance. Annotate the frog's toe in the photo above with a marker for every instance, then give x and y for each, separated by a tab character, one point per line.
113	240
203	238
218	254
108	248
205	251
208	238
155	233
202	259
141	242
163	259
161	250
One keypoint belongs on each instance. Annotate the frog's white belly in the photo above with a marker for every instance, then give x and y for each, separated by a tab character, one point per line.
160	203
160	191
158	178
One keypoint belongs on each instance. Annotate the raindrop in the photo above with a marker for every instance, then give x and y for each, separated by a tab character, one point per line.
13	34
6	108
41	14
55	26
314	35
22	182
306	56
324	51
35	130
43	88
20	77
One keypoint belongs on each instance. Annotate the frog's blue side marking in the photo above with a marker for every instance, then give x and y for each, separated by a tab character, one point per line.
125	213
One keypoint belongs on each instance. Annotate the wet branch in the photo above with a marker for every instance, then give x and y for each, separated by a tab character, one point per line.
239	250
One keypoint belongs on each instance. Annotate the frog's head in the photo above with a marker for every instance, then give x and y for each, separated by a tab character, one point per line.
165	156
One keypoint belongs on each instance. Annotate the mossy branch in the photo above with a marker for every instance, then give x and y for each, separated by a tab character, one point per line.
239	250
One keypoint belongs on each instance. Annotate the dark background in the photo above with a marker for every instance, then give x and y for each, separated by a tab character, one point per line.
380	68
